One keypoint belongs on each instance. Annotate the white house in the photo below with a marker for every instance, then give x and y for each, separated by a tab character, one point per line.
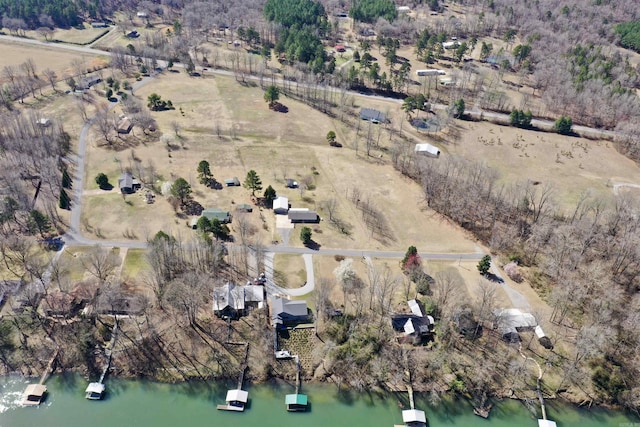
281	205
427	150
142	14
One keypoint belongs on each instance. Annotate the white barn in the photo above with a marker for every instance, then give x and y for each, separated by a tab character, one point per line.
281	205
427	150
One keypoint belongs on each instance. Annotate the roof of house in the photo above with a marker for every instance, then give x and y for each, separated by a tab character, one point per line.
281	203
413	416
253	293
237	396
58	301
219	214
95	388
296	399
427	148
125	180
372	115
302	214
509	320
414	305
295	308
228	295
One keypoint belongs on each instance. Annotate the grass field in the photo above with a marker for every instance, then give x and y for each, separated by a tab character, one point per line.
135	264
14	54
72	35
571	165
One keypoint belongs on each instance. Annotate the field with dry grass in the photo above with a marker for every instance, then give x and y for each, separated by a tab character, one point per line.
571	165
80	36
14	54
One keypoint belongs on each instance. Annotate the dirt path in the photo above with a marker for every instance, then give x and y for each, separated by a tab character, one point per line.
618	185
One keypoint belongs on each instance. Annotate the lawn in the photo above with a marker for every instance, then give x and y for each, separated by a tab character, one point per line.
289	270
135	264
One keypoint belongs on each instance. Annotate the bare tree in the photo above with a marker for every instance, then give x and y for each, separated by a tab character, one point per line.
100	262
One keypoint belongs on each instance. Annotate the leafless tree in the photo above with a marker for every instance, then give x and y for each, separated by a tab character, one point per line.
100	262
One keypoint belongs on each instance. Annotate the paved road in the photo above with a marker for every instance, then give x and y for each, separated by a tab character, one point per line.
518	300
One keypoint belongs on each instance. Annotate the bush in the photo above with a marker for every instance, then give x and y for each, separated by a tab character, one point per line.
563	125
103	181
305	235
513	271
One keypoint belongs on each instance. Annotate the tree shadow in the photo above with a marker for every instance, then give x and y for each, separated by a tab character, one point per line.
107	187
313	245
280	108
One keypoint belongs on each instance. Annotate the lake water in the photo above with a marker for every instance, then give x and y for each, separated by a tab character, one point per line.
146	404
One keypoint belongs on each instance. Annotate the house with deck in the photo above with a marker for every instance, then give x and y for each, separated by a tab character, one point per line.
228	301
302	215
286	312
128	184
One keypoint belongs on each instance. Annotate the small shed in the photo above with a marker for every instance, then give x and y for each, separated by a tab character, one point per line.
281	205
243	207
99	24
340	48
124	126
232	182
44	122
403	9
290	183
133	34
142	15
373	116
414	417
427	150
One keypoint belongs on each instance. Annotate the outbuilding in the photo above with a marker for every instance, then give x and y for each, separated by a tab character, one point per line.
414	417
427	150
232	182
281	205
373	116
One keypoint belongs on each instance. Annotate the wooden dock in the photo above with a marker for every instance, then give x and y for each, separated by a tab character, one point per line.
230	408
49	368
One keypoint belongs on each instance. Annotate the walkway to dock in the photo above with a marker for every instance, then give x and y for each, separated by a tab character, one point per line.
109	351
49	368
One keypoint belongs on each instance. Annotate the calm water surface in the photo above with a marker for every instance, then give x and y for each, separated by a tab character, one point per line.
146	404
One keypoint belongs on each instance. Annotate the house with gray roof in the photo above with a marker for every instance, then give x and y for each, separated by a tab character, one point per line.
288	312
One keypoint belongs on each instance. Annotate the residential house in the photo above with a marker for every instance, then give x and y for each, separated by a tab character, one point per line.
59	304
340	48
288	312
427	150
373	116
121	304
281	205
87	82
303	215
228	301
99	24
511	321
44	122
220	214
142	14
128	184
133	34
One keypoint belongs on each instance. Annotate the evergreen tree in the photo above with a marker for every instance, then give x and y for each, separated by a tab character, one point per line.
269	195
181	190
252	182
484	265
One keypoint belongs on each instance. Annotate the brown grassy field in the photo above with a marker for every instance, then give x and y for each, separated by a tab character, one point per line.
71	35
276	145
14	54
571	165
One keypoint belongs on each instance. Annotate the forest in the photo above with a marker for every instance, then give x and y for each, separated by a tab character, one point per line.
31	14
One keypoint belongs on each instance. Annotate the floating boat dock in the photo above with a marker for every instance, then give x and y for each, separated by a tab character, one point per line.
95	391
237	399
297	402
34	393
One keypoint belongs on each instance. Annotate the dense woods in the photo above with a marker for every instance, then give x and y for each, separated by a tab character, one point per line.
629	33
